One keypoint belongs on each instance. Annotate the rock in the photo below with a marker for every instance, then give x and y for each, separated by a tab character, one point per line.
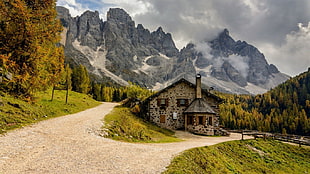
233	74
259	71
163	42
117	50
90	30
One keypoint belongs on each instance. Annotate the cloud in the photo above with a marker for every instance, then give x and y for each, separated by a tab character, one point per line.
74	7
292	57
77	7
241	64
133	7
205	49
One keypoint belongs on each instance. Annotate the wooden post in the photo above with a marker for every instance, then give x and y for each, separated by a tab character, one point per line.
242	135
185	119
67	93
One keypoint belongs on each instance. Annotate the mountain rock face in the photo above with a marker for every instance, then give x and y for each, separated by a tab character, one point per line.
234	61
119	51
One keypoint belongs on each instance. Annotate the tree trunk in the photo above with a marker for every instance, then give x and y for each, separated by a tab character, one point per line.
53	93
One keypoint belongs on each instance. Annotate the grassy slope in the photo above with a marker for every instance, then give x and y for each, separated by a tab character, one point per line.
122	125
250	156
16	113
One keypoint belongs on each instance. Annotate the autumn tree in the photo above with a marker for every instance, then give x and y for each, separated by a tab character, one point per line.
29	33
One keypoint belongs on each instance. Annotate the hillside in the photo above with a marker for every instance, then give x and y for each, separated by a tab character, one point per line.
250	156
284	109
15	113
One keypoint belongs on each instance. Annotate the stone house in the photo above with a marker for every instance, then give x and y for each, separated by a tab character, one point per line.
184	106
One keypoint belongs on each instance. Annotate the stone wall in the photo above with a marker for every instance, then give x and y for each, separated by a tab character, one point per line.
179	91
201	129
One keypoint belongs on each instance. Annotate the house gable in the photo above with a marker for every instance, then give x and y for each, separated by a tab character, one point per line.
167	104
166	108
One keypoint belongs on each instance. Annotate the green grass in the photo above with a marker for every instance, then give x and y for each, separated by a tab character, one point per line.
15	113
122	125
249	156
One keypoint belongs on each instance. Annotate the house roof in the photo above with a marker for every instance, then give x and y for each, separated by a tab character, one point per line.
182	80
199	105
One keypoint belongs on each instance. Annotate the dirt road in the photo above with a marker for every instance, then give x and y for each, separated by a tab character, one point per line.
69	144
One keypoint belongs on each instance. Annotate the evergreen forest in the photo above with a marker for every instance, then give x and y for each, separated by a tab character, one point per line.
284	109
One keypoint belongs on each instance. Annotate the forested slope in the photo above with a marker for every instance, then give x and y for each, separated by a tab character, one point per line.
284	109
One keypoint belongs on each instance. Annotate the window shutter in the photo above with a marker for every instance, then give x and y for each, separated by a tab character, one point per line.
178	102
158	102
167	102
162	119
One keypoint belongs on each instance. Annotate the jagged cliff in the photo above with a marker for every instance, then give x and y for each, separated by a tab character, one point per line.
119	50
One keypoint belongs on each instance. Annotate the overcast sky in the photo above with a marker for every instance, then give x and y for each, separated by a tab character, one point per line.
280	29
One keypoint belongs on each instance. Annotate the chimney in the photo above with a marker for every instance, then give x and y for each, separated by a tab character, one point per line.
198	86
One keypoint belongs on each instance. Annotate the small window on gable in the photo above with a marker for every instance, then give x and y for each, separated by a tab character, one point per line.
182	102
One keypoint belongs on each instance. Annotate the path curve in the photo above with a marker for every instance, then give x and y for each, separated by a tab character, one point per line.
68	144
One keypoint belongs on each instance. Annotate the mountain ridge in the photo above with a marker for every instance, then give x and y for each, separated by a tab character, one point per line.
120	50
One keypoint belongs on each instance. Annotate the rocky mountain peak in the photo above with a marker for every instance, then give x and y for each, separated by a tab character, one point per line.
225	32
118	50
222	45
118	15
63	15
164	43
89	29
140	27
159	30
90	14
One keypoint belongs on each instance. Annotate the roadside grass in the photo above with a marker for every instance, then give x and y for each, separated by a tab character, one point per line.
121	124
15	113
249	156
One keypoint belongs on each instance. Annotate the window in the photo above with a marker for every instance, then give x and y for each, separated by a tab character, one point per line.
162	103
190	120
182	102
162	119
200	120
210	121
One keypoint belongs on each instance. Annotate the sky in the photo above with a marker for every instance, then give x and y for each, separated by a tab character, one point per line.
280	29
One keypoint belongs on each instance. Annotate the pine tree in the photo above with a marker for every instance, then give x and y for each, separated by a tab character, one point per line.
80	80
96	91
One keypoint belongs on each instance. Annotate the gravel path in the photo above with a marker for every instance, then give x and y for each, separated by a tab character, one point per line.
69	144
